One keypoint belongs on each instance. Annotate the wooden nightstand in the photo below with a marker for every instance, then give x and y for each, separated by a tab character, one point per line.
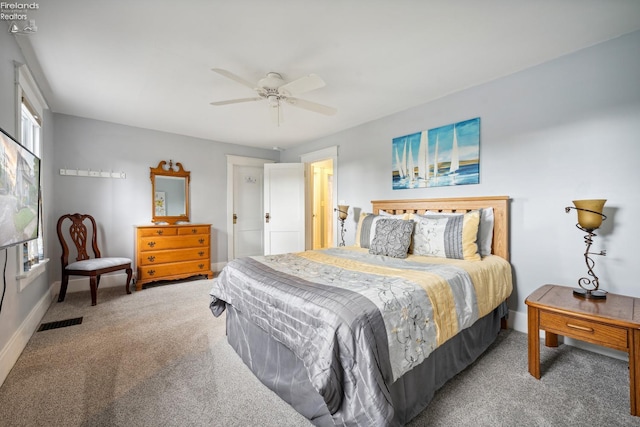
612	322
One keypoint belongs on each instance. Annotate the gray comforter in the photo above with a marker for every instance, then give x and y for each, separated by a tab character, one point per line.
357	321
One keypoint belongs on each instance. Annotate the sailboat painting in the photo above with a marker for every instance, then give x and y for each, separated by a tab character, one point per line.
448	155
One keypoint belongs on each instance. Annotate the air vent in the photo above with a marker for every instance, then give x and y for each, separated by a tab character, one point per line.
60	324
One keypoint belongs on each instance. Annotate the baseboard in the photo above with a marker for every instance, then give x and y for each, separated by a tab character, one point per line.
518	321
18	341
218	266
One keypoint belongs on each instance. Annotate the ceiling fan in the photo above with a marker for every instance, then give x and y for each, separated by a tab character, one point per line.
276	91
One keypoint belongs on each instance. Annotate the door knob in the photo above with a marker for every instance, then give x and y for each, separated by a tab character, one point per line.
267	217
235	218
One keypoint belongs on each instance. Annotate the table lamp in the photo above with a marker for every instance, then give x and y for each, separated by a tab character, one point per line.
590	218
343	213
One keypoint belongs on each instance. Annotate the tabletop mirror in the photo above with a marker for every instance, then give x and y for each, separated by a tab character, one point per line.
170	193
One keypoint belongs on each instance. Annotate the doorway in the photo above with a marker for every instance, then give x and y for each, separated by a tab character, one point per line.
244	206
327	232
322	197
322	204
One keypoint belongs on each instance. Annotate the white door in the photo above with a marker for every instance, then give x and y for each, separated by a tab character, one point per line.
247	210
284	208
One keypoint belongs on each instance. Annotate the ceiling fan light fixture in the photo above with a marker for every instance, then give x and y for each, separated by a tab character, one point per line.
273	100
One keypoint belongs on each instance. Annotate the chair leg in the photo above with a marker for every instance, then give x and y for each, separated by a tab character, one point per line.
129	273
93	282
63	287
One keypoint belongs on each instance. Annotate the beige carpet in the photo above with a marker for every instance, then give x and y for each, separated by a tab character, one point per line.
158	357
155	357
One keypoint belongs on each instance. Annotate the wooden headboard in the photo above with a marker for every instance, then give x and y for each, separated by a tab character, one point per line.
500	205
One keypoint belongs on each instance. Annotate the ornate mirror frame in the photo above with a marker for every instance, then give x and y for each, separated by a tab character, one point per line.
164	208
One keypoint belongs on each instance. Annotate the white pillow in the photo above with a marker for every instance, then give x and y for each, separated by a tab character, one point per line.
485	230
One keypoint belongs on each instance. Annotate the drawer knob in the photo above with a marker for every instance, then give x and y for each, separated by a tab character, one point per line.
580	328
151	258
194	230
151	272
201	241
151	244
160	231
201	253
200	266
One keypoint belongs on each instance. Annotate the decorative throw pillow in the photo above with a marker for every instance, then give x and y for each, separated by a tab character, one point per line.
485	228
392	237
447	236
367	227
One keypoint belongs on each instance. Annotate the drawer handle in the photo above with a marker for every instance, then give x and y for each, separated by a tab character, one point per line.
194	230
151	272
160	231
201	253
200	266
151	258
582	328
151	244
201	241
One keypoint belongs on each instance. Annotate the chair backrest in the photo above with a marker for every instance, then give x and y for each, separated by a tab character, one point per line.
79	235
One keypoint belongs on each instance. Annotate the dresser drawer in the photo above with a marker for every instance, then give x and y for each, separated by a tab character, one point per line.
194	230
161	257
157	231
166	271
174	242
586	330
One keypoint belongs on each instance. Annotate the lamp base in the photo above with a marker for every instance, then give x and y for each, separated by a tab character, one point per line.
582	293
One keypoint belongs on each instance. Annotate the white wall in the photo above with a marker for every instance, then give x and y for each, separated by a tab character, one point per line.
564	130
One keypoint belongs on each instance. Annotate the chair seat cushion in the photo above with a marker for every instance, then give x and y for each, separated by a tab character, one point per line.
97	263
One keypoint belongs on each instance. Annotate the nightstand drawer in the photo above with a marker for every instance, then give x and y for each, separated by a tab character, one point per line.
586	330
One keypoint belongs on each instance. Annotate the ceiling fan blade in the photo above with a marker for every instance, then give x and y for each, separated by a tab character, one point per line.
312	106
302	85
230	75
236	101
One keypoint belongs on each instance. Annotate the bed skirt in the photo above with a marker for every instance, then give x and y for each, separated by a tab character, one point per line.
284	373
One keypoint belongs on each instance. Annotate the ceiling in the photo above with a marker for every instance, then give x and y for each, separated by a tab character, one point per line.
147	63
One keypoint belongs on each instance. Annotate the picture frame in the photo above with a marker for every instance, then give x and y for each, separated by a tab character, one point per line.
438	157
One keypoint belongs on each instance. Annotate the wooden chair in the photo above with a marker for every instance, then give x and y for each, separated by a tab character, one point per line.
85	265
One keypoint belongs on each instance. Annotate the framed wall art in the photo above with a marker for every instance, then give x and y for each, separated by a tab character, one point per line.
443	156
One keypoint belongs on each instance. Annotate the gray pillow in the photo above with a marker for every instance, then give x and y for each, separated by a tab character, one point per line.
392	237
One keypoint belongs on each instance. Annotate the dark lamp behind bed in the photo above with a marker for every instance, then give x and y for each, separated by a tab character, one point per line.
590	218
343	213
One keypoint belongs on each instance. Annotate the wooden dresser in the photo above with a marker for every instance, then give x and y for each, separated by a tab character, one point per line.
170	252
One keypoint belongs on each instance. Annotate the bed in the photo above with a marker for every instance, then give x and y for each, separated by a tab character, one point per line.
365	335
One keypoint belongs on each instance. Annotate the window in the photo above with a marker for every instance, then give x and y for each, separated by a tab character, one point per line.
30	126
30	106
